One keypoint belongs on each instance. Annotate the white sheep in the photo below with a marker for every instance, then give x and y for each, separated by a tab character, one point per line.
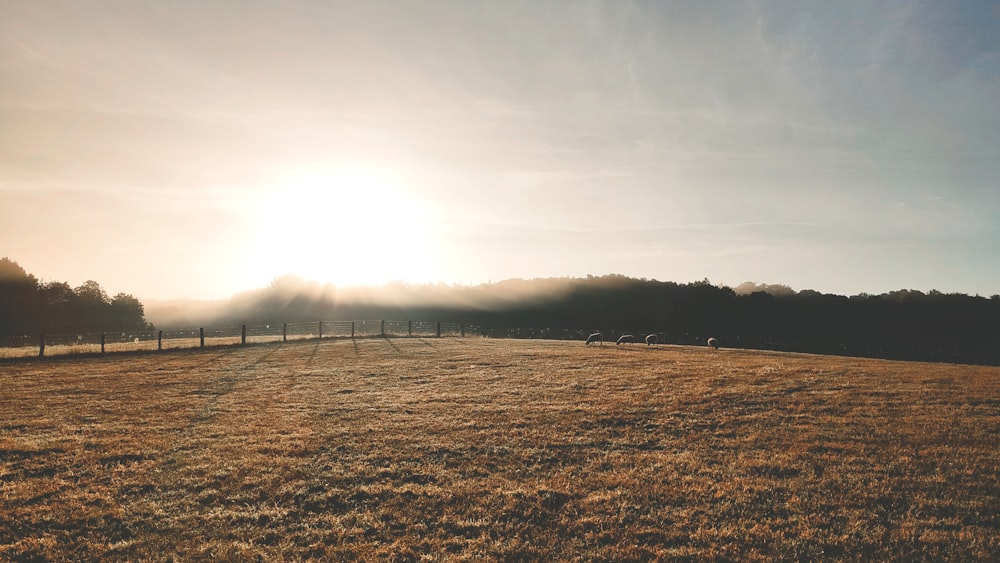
625	339
713	343
650	339
596	337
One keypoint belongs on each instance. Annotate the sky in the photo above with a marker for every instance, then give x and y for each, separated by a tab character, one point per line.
195	149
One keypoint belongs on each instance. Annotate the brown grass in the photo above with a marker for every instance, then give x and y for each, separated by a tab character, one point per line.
469	449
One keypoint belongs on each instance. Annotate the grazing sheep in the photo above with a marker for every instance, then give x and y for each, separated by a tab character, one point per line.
625	339
650	339
713	343
596	337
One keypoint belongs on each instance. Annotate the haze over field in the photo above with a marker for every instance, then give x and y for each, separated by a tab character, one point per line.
197	149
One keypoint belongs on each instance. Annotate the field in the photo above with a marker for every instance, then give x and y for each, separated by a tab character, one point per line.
456	449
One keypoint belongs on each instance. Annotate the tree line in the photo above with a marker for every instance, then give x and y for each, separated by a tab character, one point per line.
904	324
31	307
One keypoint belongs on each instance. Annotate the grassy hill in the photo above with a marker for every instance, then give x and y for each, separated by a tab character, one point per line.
462	449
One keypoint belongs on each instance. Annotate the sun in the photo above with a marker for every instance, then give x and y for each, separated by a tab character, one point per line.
347	224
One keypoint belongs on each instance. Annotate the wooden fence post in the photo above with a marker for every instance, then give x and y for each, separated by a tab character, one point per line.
381	328
159	341
409	328
284	332
103	338
321	329
463	331
352	329
439	329
201	331
243	335
41	345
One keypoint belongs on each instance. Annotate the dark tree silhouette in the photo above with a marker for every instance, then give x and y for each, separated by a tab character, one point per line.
90	305
903	324
28	307
127	313
18	298
56	311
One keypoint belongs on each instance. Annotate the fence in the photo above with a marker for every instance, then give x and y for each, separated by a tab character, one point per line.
106	342
110	342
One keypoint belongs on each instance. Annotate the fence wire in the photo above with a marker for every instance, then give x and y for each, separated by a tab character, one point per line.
126	341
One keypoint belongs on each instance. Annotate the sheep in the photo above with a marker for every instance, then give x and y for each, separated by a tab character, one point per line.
713	343
625	339
596	337
650	339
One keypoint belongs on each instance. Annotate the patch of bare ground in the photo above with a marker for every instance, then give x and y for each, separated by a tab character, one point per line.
469	449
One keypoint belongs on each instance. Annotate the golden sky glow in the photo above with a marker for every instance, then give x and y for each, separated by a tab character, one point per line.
172	149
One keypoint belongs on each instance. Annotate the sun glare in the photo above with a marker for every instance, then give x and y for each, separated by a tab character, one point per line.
351	224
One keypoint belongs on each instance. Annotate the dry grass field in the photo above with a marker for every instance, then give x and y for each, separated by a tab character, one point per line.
477	449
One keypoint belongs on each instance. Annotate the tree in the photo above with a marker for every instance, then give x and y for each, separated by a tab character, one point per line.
127	313
18	298
11	271
57	307
90	306
92	292
30	307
